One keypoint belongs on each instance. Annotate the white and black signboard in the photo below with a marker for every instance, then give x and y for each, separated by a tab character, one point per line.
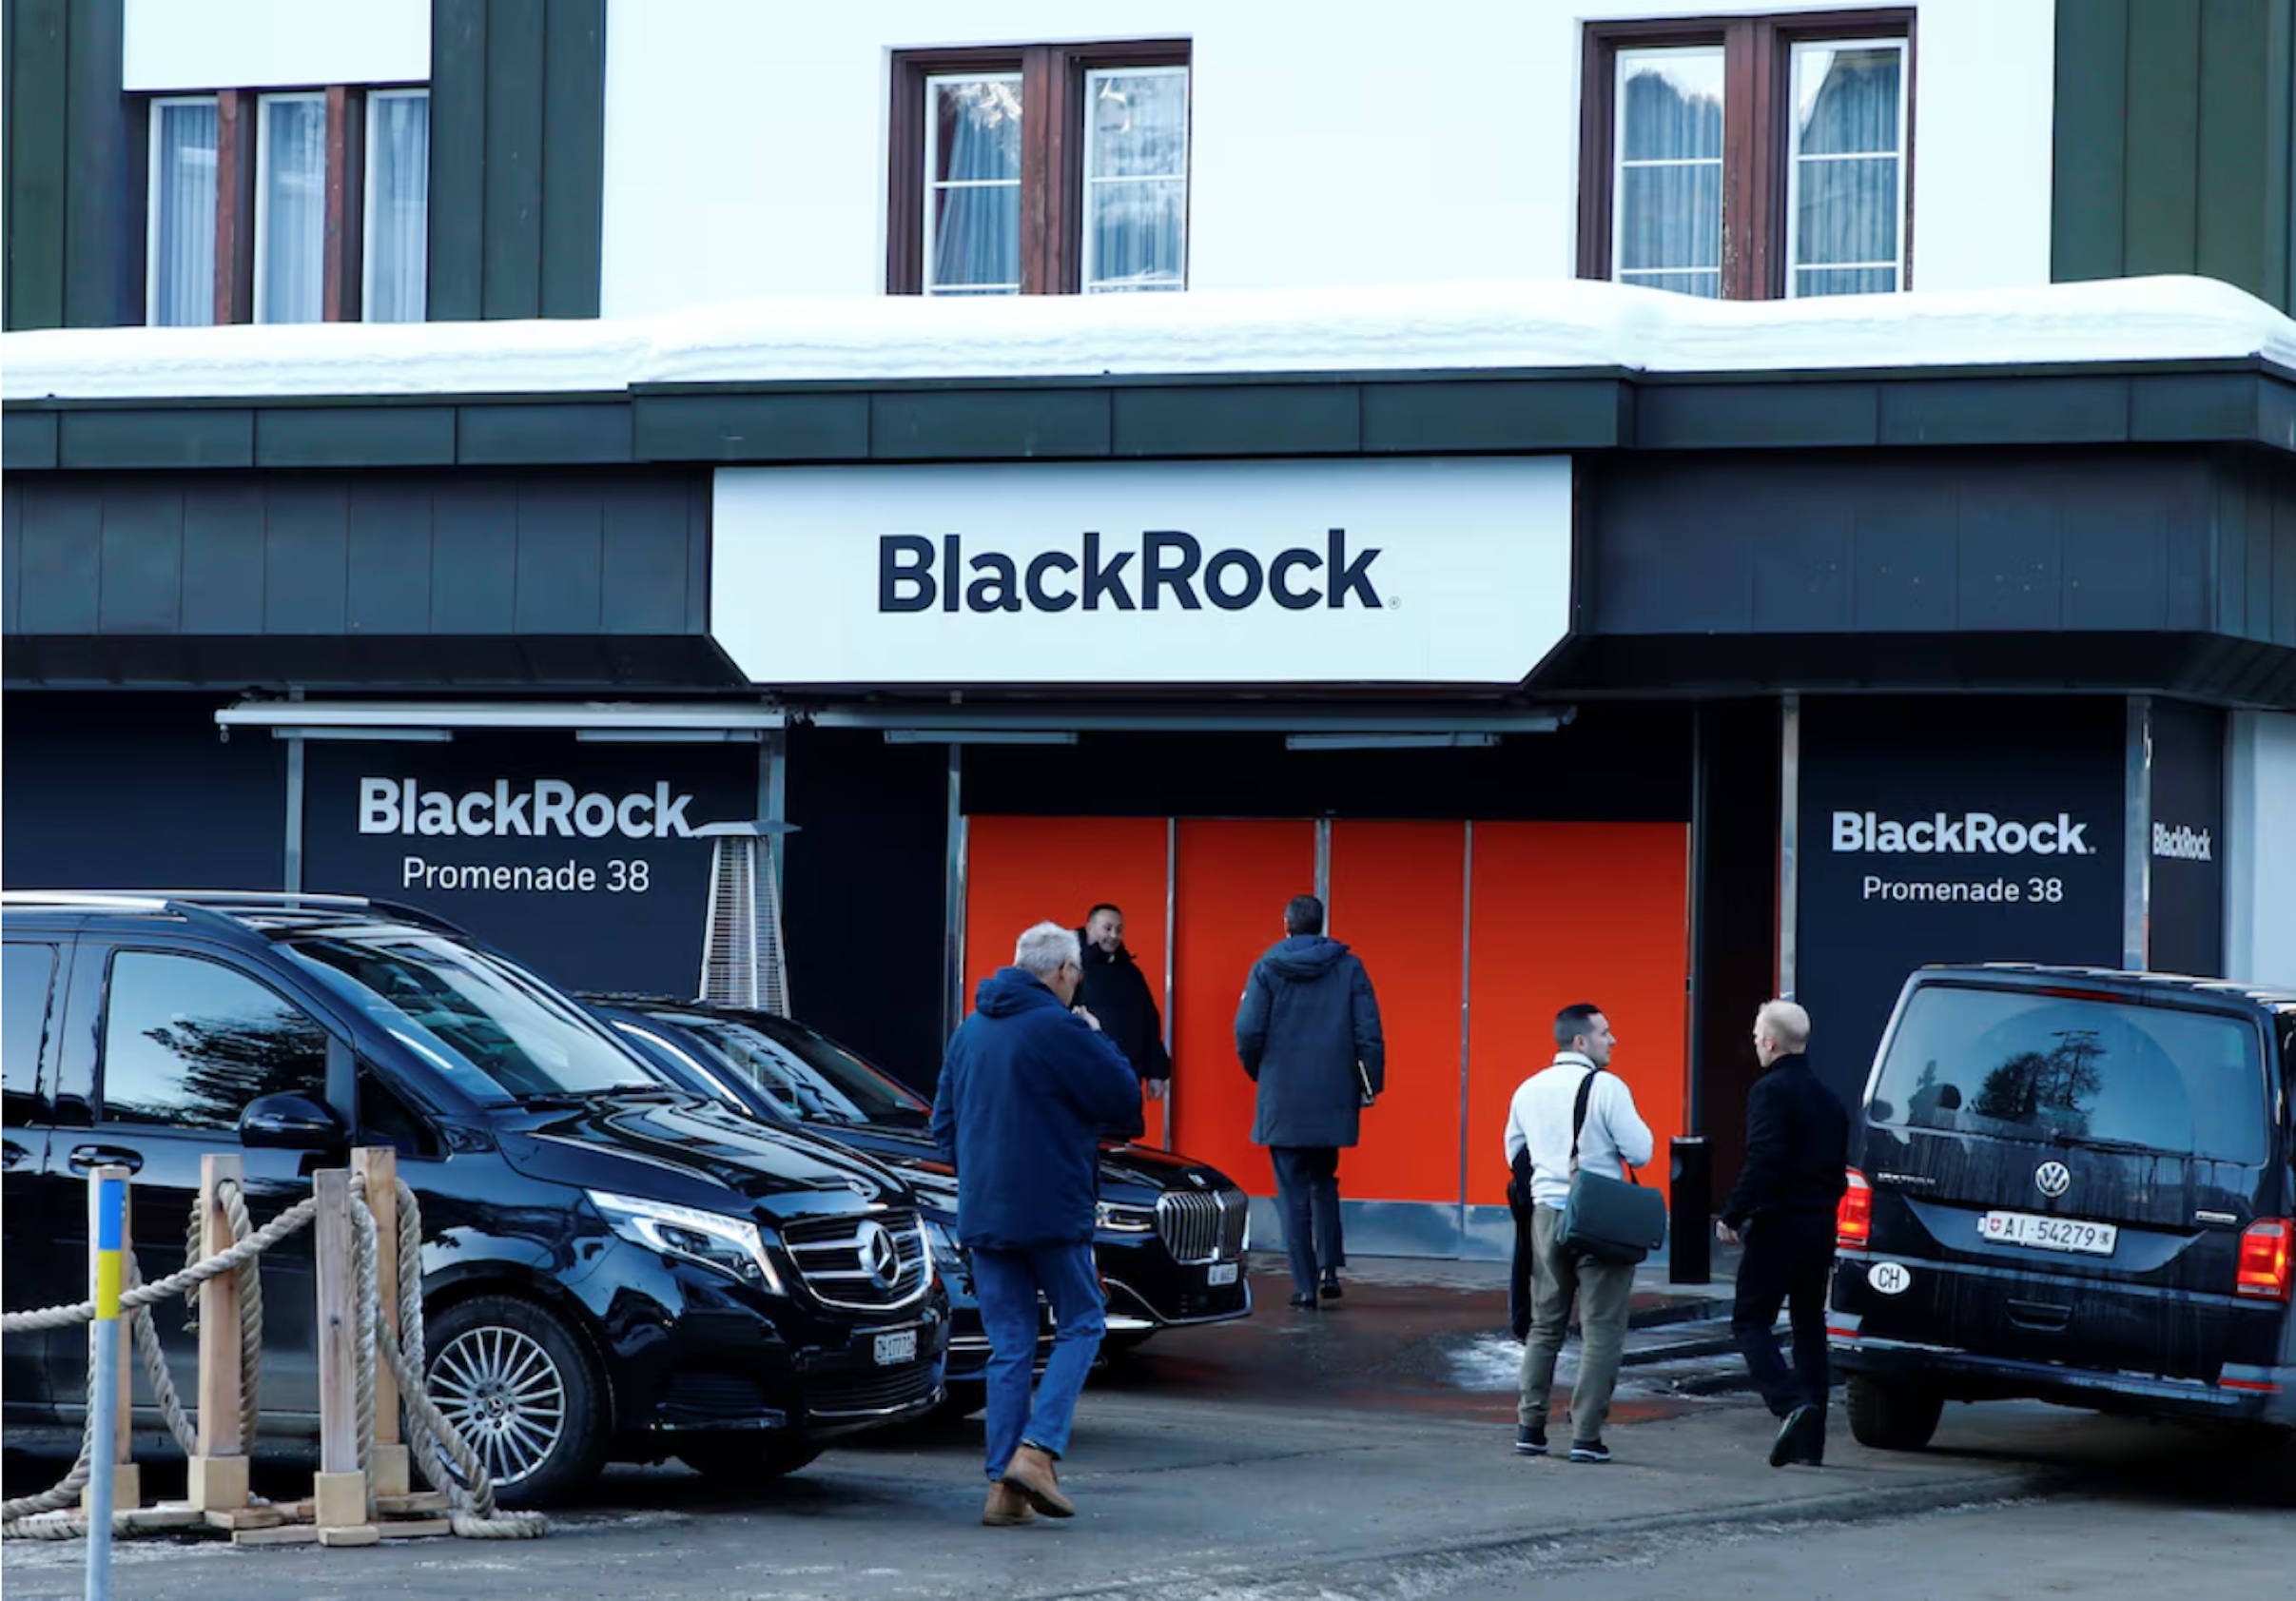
581	860
2188	880
1418	570
1962	831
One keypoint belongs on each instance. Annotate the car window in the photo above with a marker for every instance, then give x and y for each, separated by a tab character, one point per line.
2029	1064
805	1074
189	1043
24	1014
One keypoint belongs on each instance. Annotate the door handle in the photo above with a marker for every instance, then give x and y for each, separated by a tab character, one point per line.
86	1157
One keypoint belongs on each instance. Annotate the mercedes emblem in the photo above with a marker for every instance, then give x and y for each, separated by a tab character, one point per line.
2053	1179
880	1257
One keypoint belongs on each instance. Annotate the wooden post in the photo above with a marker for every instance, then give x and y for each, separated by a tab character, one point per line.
126	1482
378	1165
339	1494
219	1472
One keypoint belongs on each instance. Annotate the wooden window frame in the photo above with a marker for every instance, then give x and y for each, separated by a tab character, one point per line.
1051	151
237	162
1757	75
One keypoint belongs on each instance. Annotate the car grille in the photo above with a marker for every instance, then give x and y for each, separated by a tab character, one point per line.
882	1390
843	1262
1202	1225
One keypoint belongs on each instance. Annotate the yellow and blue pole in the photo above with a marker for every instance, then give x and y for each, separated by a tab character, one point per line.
107	1204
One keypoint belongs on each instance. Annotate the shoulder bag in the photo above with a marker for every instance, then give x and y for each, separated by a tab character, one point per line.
1602	1218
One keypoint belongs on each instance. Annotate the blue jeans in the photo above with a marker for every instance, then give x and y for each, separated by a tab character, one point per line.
1005	1284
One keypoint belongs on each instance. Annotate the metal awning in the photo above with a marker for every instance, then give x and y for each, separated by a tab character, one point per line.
601	721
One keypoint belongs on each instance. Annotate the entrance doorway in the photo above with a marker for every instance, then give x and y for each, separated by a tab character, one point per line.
1475	934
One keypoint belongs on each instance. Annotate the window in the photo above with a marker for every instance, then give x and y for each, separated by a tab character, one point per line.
1751	158
2026	1065
180	267
295	206
189	1043
24	1014
290	207
1046	169
398	220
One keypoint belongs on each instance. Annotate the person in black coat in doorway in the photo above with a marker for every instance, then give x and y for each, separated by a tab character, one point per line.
1783	1210
1308	1033
1116	991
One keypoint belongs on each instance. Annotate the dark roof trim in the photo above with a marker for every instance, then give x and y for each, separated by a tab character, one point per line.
2246	402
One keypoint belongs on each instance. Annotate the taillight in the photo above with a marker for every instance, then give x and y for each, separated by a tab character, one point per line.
2267	1260
1854	1217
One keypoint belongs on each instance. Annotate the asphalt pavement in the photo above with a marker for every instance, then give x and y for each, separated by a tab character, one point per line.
1356	1453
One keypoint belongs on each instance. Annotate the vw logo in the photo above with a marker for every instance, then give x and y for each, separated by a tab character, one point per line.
2053	1179
880	1257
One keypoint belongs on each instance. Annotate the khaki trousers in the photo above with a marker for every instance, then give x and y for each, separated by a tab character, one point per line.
1605	1294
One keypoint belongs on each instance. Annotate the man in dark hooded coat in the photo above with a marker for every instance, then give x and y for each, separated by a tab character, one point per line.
1308	1031
1116	991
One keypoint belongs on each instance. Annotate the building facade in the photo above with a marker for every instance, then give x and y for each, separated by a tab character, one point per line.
1576	641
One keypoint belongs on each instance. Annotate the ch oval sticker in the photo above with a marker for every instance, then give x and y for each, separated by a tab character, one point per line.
1890	1279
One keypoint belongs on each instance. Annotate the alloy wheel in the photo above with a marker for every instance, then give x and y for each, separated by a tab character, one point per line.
505	1395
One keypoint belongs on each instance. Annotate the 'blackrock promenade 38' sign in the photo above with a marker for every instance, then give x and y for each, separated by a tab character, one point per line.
1245	571
582	859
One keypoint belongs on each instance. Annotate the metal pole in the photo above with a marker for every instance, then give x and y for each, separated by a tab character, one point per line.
2136	840
108	1227
1789	845
1172	936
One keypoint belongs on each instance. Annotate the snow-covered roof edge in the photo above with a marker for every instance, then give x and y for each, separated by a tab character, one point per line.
1516	325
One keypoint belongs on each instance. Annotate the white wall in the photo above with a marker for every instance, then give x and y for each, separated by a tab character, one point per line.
2260	859
1345	142
275	44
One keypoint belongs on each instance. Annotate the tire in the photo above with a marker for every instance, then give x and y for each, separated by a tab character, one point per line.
1893	1417
737	1460
517	1384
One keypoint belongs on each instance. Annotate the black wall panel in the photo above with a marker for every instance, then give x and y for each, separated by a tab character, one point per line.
115	791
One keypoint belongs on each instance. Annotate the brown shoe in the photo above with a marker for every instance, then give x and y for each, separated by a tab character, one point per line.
1008	1508
1030	1471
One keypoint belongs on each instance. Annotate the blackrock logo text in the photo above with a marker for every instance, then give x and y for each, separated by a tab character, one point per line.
915	574
551	806
1970	833
2183	844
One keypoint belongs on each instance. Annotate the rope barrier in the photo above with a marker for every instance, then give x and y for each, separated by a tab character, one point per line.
446	1460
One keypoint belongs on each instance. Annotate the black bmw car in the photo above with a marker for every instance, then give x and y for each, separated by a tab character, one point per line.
1171	1232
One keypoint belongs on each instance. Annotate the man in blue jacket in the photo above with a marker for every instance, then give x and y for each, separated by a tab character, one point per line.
1307	1032
1028	1092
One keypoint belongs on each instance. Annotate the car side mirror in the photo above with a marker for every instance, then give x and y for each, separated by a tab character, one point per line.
290	1123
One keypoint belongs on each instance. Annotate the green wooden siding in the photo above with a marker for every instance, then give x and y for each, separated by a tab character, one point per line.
517	157
2173	141
71	261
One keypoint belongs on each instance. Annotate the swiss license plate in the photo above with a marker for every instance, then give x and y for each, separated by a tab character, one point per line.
2049	1234
899	1346
1221	1272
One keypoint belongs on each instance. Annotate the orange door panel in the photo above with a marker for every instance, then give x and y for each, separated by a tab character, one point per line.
1024	871
1397	891
1569	912
1235	878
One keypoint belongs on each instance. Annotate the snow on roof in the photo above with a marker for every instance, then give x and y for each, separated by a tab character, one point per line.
1473	326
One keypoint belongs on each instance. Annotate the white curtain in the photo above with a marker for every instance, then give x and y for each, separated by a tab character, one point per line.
973	173
1135	180
1846	166
182	261
1668	197
293	174
398	207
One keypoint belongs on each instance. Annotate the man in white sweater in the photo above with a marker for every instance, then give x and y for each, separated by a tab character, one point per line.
1612	1138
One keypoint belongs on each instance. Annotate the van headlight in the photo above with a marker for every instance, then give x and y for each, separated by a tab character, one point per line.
1119	1218
731	1245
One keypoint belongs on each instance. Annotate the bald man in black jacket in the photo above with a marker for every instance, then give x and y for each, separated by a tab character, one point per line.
1796	1145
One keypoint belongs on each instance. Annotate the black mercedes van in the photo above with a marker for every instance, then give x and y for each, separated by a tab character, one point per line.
2075	1186
612	1267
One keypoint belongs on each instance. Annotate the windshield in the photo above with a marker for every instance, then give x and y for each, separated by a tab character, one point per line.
494	1029
804	1073
2027	1064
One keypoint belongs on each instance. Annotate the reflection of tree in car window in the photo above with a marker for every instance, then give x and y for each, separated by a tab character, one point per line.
190	1042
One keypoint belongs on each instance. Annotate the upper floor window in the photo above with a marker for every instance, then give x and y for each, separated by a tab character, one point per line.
1047	170
1752	159
300	206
